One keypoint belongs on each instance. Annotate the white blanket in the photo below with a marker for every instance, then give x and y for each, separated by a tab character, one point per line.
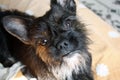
7	73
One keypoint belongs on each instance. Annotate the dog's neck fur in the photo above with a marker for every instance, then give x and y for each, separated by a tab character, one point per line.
75	64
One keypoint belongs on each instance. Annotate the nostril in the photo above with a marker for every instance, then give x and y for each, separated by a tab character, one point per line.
66	44
60	47
63	45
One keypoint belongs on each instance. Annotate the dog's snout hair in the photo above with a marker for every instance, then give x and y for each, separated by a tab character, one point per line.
53	46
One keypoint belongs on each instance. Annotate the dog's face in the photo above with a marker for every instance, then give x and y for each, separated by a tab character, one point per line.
56	37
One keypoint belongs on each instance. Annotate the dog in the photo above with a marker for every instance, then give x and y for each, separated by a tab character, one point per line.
53	47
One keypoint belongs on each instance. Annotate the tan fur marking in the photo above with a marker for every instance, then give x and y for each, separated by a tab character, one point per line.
45	56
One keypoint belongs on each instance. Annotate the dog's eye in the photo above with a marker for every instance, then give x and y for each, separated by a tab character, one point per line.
67	24
42	42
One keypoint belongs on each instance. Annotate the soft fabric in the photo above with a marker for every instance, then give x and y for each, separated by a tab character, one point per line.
105	41
10	73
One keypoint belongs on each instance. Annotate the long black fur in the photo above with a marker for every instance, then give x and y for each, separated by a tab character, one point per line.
48	43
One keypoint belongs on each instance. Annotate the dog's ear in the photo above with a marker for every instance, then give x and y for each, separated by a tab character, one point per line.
16	26
68	5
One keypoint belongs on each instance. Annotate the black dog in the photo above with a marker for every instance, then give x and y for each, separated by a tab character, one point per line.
53	47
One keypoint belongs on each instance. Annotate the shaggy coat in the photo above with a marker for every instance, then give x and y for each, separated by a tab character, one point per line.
53	47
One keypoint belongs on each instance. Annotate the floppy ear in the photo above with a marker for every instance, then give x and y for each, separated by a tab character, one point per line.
68	5
15	25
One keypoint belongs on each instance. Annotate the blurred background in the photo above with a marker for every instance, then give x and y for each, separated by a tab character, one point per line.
108	10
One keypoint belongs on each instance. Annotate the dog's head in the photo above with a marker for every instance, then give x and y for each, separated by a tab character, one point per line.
58	37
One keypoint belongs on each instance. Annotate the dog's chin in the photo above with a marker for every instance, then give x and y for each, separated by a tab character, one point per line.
72	62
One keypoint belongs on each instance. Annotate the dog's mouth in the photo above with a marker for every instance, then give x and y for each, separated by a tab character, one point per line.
69	54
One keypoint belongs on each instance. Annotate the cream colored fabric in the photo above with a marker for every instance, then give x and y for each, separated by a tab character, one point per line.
105	46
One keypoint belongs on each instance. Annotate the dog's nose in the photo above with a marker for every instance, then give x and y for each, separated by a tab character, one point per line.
63	45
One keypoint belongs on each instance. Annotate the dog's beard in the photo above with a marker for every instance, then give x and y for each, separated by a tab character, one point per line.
74	62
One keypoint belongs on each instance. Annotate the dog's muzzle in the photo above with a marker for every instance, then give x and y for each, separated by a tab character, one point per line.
65	47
